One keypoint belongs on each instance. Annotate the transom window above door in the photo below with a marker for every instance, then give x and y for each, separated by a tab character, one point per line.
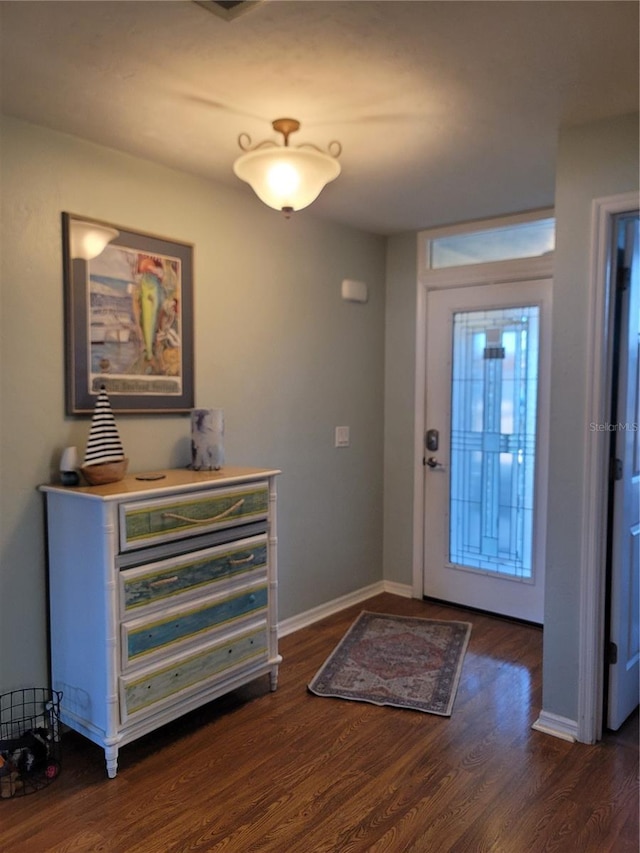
527	238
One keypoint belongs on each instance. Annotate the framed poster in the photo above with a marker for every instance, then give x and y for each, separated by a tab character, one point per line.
128	319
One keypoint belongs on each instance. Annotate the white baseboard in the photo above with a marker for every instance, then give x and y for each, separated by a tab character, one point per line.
554	724
402	589
303	620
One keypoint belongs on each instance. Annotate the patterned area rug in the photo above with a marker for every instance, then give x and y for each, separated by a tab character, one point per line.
396	660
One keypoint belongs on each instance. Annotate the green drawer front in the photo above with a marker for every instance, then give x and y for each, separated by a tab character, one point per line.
186	573
192	621
168	681
158	521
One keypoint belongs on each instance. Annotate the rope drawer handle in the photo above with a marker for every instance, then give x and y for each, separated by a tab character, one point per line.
248	559
227	512
162	581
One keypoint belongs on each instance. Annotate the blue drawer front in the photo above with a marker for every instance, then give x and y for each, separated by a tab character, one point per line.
155	635
157	585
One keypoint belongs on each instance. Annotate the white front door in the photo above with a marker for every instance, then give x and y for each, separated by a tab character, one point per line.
486	445
624	634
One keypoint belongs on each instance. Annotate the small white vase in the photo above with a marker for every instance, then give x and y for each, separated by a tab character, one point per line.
69	464
207	439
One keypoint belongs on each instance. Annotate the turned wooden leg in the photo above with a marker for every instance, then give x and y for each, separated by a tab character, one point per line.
273	679
111	756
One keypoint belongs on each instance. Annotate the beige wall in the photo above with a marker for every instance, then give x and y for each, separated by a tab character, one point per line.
276	348
400	362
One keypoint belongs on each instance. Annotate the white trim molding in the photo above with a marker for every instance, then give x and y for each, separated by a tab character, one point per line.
309	617
419	416
402	590
554	724
594	498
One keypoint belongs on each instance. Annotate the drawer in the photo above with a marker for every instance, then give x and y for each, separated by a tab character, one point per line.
161	581
151	635
150	522
167	682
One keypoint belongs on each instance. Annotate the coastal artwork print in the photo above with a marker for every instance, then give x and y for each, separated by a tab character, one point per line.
129	324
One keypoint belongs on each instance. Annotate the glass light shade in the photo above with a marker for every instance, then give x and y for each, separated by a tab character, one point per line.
287	178
88	239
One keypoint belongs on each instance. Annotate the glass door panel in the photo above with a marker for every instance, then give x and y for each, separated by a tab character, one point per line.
493	439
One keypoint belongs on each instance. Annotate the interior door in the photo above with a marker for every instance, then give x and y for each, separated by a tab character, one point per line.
624	522
486	446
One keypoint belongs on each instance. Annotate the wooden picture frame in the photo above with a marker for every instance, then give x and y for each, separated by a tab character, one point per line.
128	321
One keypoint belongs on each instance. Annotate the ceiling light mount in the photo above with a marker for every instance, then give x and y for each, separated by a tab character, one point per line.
286	177
286	126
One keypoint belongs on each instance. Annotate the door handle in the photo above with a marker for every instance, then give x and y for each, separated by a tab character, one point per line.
433	463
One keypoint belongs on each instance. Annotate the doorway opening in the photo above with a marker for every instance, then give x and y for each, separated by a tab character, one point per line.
622	586
594	612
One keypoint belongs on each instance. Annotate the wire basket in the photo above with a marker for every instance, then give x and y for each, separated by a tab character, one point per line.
29	740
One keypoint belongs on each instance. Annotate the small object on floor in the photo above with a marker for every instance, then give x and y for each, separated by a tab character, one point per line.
29	740
26	753
9	784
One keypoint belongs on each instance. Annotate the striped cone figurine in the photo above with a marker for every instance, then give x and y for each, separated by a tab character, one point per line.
104	459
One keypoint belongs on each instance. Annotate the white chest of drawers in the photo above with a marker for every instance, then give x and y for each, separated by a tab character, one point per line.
163	596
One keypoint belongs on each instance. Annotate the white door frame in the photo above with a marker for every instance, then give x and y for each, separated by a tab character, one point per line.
501	271
595	493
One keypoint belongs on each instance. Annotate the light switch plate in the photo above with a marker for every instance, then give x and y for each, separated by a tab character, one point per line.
342	436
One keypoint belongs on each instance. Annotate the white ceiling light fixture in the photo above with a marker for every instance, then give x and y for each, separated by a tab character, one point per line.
88	239
283	177
228	9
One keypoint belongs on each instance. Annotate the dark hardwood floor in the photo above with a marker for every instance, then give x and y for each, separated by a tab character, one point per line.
288	772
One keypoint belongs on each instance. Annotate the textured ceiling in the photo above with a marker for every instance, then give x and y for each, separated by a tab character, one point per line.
445	110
